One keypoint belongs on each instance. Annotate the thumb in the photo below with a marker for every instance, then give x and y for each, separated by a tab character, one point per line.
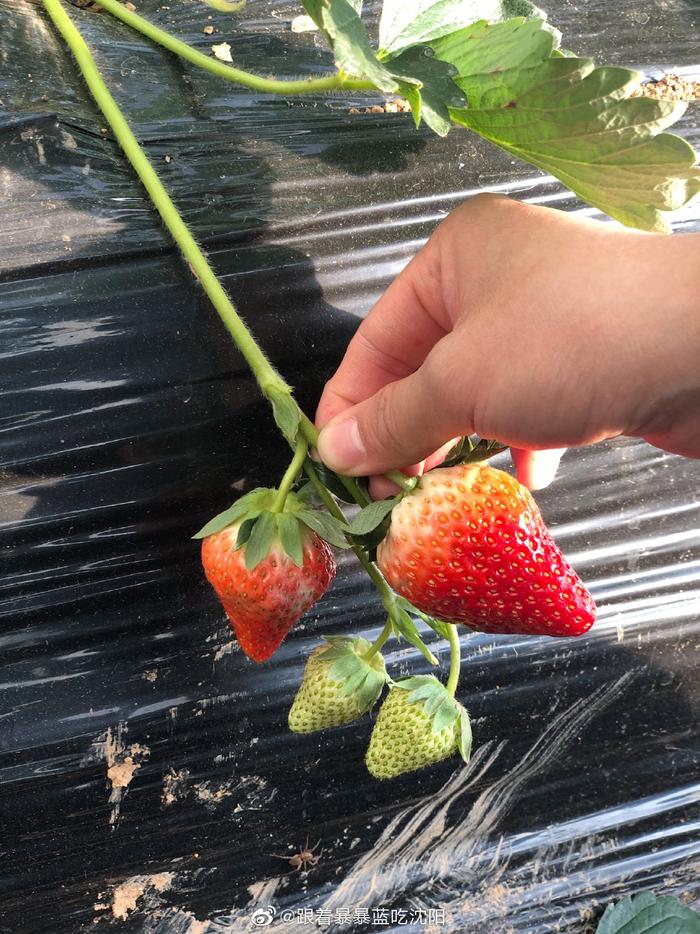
403	423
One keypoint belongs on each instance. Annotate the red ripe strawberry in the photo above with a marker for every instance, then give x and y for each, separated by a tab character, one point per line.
469	545
264	603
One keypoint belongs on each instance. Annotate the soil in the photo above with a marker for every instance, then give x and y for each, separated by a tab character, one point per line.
670	88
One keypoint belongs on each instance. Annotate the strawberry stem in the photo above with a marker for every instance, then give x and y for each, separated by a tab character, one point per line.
310	432
290	475
379	641
385	592
337	82
455	659
266	375
401	480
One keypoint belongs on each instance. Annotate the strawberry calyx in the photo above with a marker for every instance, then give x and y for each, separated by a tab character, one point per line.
359	671
440	707
262	525
341	681
470	450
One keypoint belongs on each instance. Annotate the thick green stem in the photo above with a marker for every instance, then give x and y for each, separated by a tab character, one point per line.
335	82
290	475
263	370
270	381
379	641
455	660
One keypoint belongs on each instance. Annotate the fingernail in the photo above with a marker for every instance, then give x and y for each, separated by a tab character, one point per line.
340	445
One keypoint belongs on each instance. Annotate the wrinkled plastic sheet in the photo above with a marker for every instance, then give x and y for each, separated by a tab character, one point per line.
127	419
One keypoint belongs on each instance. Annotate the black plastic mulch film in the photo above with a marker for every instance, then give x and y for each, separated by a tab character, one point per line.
127	418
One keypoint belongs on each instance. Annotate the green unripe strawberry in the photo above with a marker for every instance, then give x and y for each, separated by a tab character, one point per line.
338	686
418	725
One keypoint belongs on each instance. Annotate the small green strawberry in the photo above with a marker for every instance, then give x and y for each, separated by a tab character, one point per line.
338	686
418	724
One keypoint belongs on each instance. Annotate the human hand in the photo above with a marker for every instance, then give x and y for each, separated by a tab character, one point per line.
528	325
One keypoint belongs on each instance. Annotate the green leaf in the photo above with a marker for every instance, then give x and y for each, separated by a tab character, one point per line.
437	91
464	734
370	517
649	914
348	37
407	628
483	53
261	535
290	535
315	9
329	528
573	120
405	24
286	413
252	502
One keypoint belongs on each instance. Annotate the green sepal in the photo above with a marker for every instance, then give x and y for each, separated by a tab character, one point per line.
291	537
404	625
251	504
437	625
261	536
306	492
286	412
366	679
463	729
369	518
328	527
246	527
442	709
471	450
332	482
646	913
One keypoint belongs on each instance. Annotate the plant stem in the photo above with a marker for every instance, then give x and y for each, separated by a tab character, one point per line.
290	475
455	660
335	82
401	480
270	381
386	594
379	641
263	370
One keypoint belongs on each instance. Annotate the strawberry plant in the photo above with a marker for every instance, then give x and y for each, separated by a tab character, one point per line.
464	545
